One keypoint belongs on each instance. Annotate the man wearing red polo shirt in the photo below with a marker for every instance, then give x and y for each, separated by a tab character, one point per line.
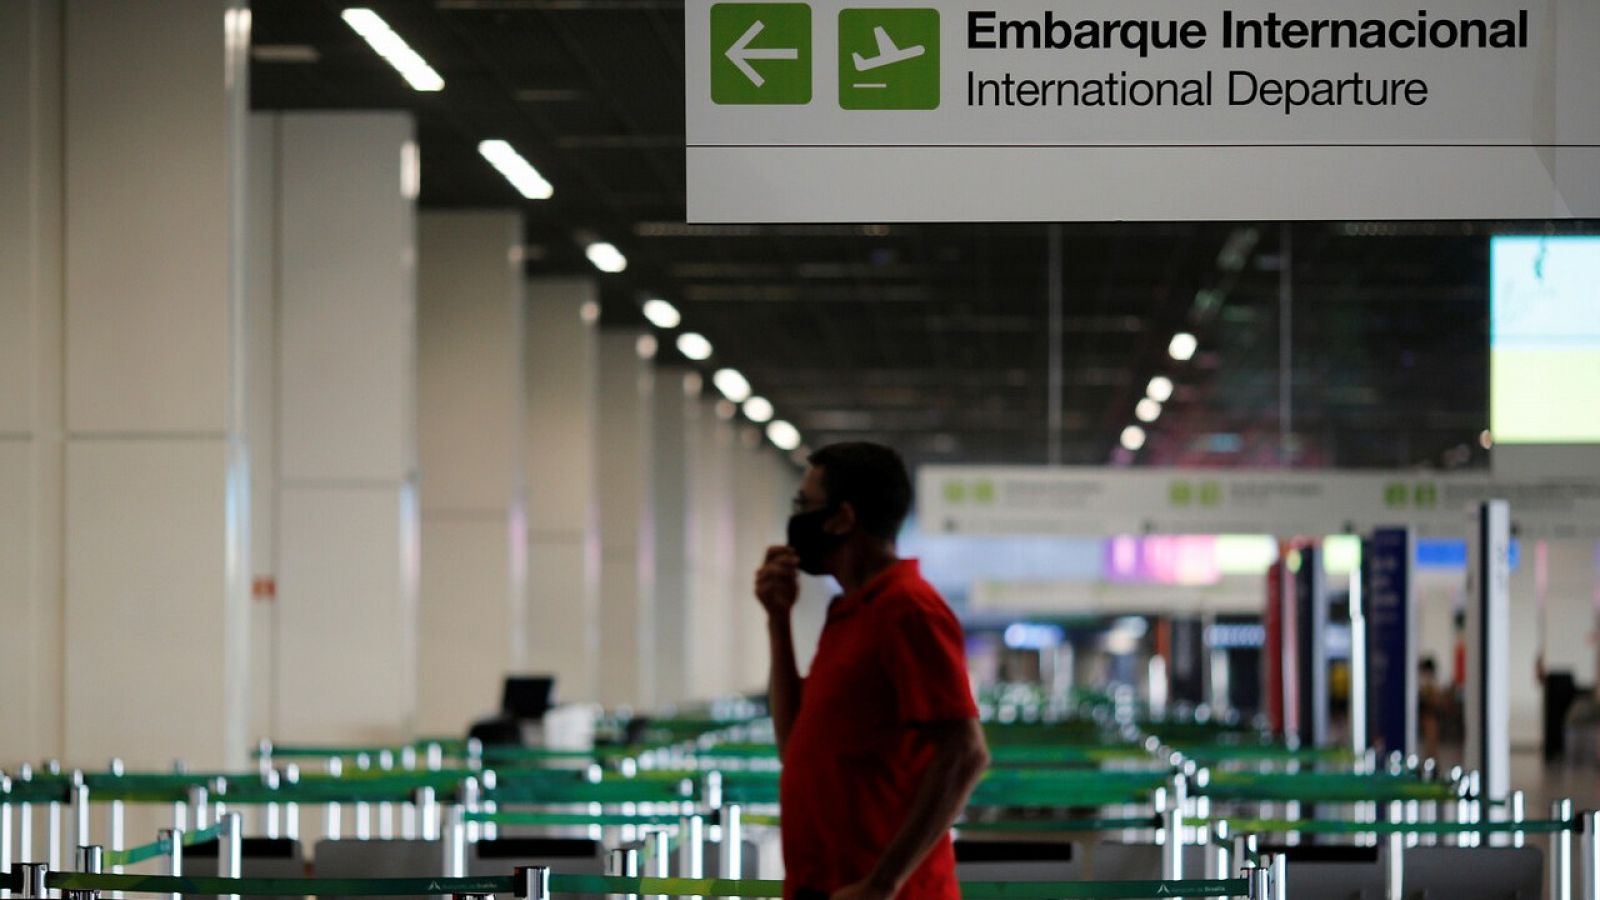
880	743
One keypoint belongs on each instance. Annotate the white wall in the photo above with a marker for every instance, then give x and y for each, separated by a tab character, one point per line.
347	541
673	642
561	393
627	520
31	426
469	393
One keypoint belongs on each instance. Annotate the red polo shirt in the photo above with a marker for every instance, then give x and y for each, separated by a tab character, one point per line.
891	658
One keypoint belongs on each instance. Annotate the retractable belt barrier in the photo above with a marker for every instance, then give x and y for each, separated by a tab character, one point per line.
602	884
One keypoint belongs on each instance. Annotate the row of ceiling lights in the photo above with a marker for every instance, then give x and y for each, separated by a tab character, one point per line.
1181	348
733	386
511	165
527	180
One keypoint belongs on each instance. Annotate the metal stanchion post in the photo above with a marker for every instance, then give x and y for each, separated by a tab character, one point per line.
419	820
624	861
363	813
1172	848
455	844
199	814
469	803
25	818
264	756
533	883
1561	853
386	807
230	849
5	831
80	810
291	809
118	824
490	830
732	842
174	839
274	812
1591	855
1280	877
1519	803
91	860
1217	852
332	814
52	842
1259	883
30	877
1394	870
694	847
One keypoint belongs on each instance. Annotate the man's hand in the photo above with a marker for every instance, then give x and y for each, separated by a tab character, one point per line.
861	890
778	581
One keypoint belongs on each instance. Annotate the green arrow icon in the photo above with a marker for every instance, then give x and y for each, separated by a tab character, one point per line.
761	53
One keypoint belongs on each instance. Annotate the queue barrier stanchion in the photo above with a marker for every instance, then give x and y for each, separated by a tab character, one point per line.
31	880
91	859
1591	855
1562	854
5	832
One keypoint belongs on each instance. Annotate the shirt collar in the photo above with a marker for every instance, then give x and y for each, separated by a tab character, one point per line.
845	604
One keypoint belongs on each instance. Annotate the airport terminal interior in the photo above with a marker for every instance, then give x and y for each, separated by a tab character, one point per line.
388	451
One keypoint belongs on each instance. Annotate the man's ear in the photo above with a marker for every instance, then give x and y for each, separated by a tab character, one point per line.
843	521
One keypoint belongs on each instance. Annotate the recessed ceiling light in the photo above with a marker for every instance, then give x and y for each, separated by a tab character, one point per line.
694	346
393	48
1183	346
606	257
1160	389
783	435
1133	437
1147	410
732	385
521	173
758	410
662	314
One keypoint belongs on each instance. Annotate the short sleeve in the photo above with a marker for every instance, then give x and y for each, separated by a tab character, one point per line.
927	664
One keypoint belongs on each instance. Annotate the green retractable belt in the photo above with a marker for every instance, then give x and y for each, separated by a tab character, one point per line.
611	884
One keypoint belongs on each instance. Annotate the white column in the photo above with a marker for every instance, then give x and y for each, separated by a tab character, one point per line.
31	384
261	414
347	516
759	526
469	418
711	531
121	467
627	519
676	389
561	394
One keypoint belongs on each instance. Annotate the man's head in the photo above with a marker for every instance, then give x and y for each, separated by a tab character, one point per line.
853	493
1428	670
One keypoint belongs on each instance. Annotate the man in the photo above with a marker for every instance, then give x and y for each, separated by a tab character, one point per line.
880	743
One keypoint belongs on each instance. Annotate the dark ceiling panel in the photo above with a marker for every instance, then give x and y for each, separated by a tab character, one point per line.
931	336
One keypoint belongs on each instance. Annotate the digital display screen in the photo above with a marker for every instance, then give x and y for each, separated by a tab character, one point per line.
1544	340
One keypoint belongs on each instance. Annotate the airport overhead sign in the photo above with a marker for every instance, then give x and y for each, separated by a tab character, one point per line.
1155	110
1094	501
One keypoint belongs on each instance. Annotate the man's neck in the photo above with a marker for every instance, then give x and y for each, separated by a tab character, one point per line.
863	562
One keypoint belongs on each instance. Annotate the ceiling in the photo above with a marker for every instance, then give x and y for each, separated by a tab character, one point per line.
935	338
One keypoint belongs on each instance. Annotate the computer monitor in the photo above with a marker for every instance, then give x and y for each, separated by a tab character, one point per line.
528	696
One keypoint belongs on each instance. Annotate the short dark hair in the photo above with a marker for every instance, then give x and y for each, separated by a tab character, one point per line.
870	477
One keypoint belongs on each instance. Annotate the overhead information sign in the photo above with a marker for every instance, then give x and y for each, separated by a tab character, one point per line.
1100	110
1106	501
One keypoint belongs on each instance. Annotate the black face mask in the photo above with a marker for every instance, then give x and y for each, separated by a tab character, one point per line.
807	539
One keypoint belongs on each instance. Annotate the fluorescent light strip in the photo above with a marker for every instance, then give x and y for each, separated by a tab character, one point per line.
783	435
393	48
606	257
694	346
662	314
521	173
758	410
732	385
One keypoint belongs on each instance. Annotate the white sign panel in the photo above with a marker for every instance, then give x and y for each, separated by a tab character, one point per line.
1095	501
1099	110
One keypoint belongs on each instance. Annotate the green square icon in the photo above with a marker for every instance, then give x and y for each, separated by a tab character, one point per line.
889	58
761	53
